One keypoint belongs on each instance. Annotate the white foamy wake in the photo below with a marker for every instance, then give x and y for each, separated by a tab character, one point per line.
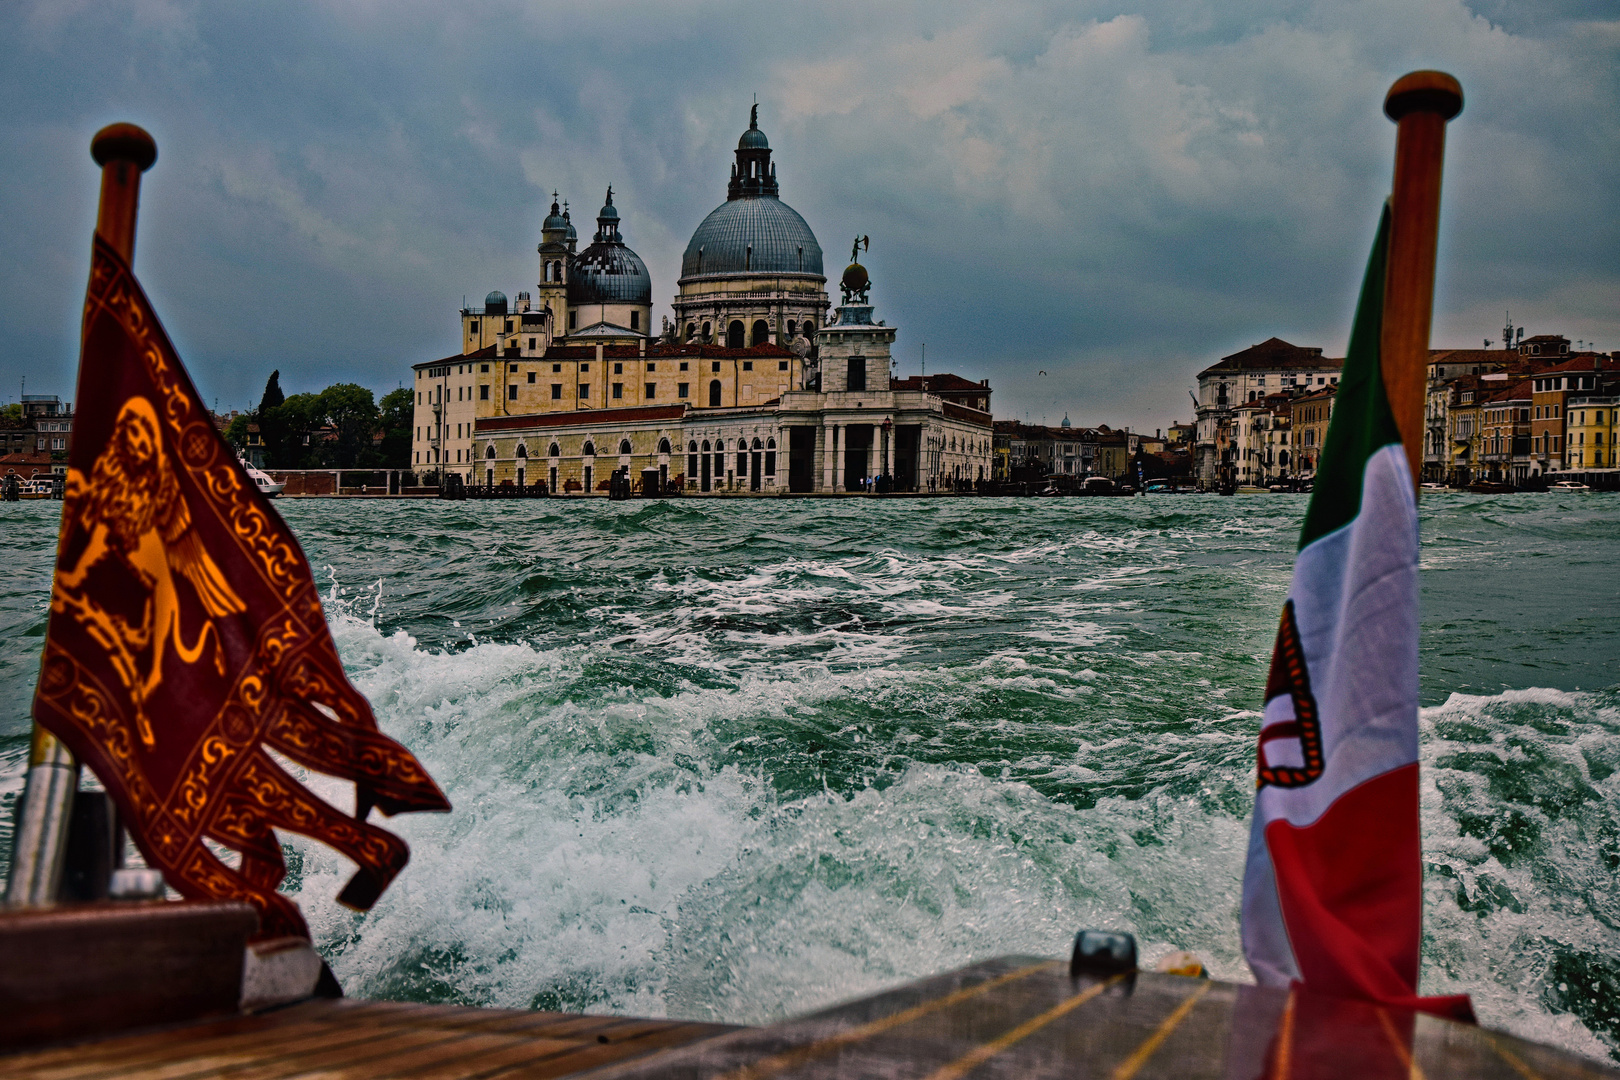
603	855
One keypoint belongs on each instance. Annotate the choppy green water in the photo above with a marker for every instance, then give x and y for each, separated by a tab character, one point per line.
739	759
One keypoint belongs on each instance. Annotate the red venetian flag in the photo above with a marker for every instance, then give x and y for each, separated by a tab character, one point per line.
186	638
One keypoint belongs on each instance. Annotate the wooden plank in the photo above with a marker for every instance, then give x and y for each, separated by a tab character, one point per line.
93	969
1144	1027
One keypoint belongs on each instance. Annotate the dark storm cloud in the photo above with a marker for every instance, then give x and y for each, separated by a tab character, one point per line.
1115	196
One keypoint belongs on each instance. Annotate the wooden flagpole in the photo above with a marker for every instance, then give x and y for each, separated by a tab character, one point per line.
1420	104
123	151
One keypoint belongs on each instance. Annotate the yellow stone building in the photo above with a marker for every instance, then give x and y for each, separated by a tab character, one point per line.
751	390
1591	432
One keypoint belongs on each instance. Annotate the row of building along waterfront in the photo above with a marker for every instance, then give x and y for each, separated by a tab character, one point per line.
1512	415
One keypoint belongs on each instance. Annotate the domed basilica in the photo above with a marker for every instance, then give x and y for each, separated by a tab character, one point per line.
752	389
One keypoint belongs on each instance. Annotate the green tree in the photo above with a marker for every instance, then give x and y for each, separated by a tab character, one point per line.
352	411
12	414
395	415
272	429
296	422
236	433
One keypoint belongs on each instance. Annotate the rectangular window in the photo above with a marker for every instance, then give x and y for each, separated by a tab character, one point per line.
511	367
556	391
556	369
584	390
618	369
508	326
618	390
635	320
716	366
652	391
748	365
584	368
472	327
573	319
683	365
781	365
531	376
651	366
683	389
511	392
531	344
419	397
856	379
483	392
484	368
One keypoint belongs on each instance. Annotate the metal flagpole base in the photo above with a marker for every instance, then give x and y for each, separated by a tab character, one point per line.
42	823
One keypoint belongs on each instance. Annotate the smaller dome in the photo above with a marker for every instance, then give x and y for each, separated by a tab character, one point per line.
855	279
1065	421
495	303
555	219
753	138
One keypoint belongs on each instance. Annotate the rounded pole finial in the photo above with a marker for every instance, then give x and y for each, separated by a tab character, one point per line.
1424	91
124	142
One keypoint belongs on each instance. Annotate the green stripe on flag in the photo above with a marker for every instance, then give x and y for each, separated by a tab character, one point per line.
1362	421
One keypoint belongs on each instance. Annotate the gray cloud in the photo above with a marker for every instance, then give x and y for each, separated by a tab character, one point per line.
1115	196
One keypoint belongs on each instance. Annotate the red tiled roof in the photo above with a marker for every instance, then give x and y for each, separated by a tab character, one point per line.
583	416
1274	353
935	384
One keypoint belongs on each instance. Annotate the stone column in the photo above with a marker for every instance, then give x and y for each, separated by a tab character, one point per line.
840	436
828	457
888	450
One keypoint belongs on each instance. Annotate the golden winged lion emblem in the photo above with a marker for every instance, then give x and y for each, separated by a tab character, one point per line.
133	517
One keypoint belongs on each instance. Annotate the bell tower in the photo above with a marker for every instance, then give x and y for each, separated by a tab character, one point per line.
555	258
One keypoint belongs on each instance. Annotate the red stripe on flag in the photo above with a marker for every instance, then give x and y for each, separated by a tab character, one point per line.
1350	886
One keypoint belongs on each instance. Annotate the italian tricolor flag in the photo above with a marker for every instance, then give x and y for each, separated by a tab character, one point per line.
1332	895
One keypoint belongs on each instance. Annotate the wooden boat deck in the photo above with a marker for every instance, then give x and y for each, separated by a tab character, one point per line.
1014	1016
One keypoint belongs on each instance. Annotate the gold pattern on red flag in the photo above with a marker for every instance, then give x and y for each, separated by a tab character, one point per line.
186	639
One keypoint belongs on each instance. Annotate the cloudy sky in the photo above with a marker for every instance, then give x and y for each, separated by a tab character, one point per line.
1114	194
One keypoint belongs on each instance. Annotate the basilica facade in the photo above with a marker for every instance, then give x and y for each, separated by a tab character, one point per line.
753	389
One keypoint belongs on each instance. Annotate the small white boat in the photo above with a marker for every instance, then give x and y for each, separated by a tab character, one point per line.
36	489
1568	485
267	487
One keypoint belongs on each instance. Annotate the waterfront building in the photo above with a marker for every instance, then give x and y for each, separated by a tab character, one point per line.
1311	414
1594	420
1271	367
752	389
1463	439
1445	367
1551	391
1505	417
1262	440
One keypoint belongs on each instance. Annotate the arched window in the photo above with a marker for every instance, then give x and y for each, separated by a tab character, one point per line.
522	451
590	449
770	444
792	328
663	446
624	446
809	328
705	446
708	328
762	333
554	450
714	393
691	329
734	335
489	451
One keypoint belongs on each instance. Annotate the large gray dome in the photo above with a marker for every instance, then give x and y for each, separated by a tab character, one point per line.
780	240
